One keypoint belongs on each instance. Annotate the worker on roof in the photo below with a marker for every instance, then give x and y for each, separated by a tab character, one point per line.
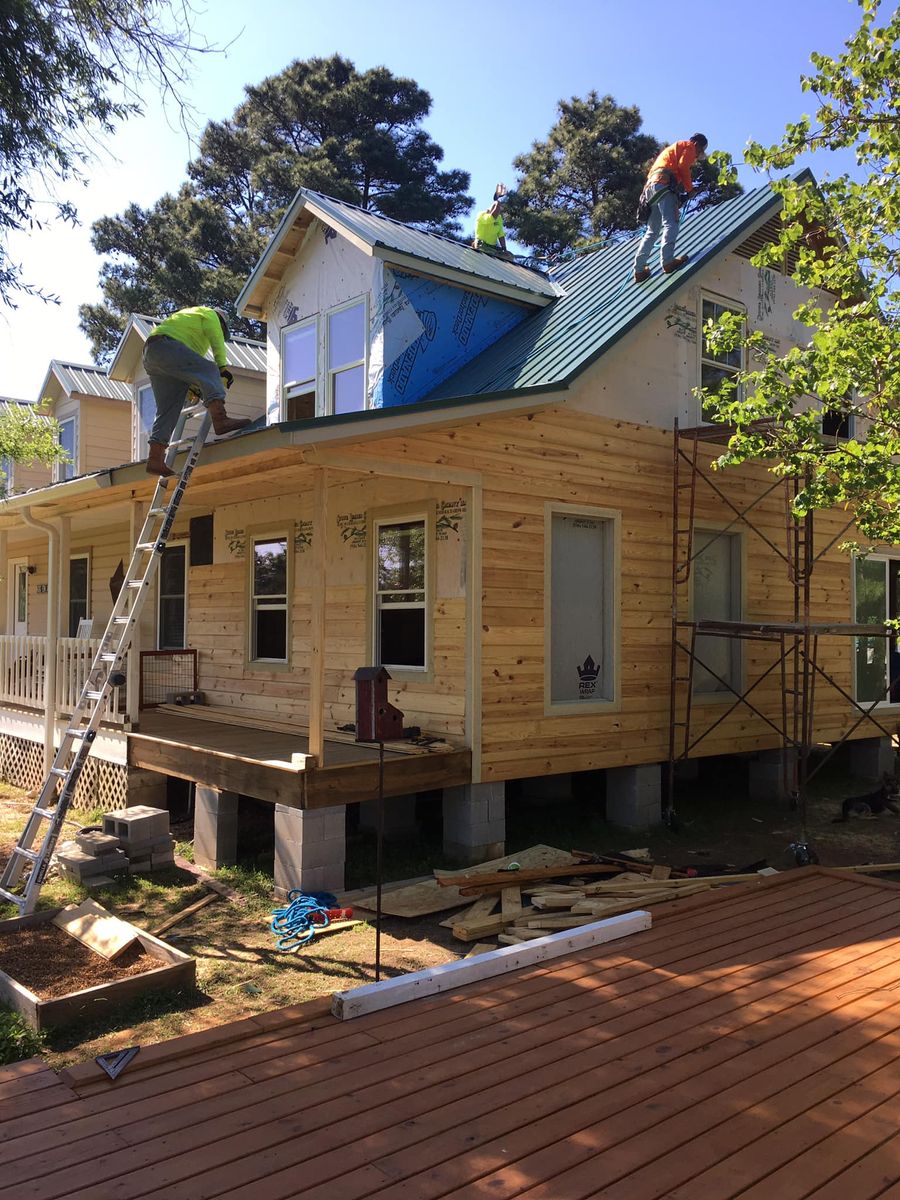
668	183
175	360
489	232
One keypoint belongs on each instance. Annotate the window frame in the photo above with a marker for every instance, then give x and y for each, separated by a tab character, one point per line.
398	514
287	390
734	306
328	373
141	439
269	533
738	658
61	469
612	550
175	543
883	556
9	463
87	605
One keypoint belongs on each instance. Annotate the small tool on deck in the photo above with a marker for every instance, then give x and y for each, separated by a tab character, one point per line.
114	1064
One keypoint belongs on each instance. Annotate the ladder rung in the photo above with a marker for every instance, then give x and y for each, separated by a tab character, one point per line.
31	855
135	583
194	410
78	733
62	772
146	545
92	695
186	441
121	620
158	512
12	898
47	813
108	657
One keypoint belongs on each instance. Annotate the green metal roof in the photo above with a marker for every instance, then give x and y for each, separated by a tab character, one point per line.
602	303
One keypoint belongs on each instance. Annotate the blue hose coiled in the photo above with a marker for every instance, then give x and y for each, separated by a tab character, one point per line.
295	924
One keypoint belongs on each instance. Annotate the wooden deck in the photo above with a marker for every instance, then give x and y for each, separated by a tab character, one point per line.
272	764
746	1046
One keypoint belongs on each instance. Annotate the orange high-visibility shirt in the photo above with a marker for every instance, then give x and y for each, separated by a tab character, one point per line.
677	158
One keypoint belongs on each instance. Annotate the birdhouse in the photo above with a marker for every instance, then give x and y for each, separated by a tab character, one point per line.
376	719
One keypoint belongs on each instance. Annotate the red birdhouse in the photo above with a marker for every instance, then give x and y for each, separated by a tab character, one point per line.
376	719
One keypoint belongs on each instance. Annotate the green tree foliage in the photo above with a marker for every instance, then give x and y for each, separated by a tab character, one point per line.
584	180
68	73
318	124
26	436
842	238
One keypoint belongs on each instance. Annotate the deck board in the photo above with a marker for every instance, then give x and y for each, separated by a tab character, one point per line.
749	1046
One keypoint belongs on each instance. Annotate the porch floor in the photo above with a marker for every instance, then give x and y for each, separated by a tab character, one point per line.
269	763
745	1046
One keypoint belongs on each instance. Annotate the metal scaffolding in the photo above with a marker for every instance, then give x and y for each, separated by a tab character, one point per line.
795	643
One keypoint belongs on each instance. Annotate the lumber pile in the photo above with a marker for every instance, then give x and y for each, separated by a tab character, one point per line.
516	912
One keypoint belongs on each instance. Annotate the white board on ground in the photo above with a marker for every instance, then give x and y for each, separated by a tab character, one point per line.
375	996
96	928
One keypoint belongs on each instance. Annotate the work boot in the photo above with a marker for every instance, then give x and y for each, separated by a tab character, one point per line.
156	460
222	423
641	274
669	267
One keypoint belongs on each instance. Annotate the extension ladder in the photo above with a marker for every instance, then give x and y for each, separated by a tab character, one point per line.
106	673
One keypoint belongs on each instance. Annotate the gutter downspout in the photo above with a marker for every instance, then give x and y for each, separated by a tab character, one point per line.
52	633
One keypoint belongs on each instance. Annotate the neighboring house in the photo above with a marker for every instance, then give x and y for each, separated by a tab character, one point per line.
466	476
21	476
246	397
94	416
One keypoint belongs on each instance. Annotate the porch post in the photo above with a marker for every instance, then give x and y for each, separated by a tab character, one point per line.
4	577
133	662
52	533
65	547
317	616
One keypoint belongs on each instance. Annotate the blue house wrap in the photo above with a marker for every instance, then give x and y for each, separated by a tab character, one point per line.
424	331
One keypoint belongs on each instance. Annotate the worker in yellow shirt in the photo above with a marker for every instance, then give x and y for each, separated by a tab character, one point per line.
489	232
175	360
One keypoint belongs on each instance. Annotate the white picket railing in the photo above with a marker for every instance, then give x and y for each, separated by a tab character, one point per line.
22	673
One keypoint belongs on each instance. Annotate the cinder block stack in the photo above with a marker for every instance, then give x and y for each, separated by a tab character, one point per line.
143	833
90	856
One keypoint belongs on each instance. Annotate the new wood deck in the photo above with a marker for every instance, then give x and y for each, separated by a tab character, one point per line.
271	764
746	1046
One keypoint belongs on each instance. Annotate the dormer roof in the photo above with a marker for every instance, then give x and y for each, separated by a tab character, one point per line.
397	244
67	379
242	354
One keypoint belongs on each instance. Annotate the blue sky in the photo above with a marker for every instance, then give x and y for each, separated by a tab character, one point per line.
495	75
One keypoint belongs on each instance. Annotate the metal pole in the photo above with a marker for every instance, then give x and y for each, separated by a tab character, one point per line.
379	845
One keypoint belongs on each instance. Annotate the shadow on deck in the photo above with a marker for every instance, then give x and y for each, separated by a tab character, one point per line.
274	764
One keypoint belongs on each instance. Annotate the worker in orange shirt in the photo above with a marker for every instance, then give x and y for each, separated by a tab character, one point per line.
669	176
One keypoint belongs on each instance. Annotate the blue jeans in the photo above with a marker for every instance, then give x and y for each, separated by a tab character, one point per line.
663	216
174	369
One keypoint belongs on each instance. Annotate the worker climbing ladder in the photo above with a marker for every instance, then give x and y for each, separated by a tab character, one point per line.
30	859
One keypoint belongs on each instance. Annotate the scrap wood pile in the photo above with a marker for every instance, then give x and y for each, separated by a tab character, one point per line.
530	903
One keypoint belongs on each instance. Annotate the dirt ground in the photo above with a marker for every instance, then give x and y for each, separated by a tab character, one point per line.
240	972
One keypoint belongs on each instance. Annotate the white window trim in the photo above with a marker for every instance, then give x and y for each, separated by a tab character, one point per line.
612	639
735	306
10	475
13	565
398	514
87	558
741	554
141	451
60	467
887	703
287	394
269	534
329	373
171	546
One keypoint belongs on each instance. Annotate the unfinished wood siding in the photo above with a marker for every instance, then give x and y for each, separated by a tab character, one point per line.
580	459
218	606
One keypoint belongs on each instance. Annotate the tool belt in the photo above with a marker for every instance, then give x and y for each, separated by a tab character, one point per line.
652	192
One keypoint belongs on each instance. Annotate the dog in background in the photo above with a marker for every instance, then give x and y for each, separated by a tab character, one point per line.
873	804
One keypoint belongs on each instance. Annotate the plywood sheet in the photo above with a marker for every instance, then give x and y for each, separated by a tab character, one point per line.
96	928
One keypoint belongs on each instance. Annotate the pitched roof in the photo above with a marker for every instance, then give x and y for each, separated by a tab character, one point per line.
244	354
395	243
601	303
85	380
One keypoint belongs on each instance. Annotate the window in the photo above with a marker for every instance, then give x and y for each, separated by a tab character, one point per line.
298	369
172	614
838	423
717	597
877	599
716	368
146	415
79	592
268	600
346	358
6	483
581	616
400	594
67	439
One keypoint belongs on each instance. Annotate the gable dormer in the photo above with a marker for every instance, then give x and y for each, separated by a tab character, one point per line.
246	359
94	417
364	312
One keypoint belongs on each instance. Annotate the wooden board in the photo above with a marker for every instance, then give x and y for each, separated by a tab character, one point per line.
91	924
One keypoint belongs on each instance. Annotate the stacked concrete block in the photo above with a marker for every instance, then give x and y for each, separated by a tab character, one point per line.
91	856
310	847
143	834
475	821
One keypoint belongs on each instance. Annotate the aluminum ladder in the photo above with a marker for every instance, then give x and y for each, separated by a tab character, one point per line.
30	860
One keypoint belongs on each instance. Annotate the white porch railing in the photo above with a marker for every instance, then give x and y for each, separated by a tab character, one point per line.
22	673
